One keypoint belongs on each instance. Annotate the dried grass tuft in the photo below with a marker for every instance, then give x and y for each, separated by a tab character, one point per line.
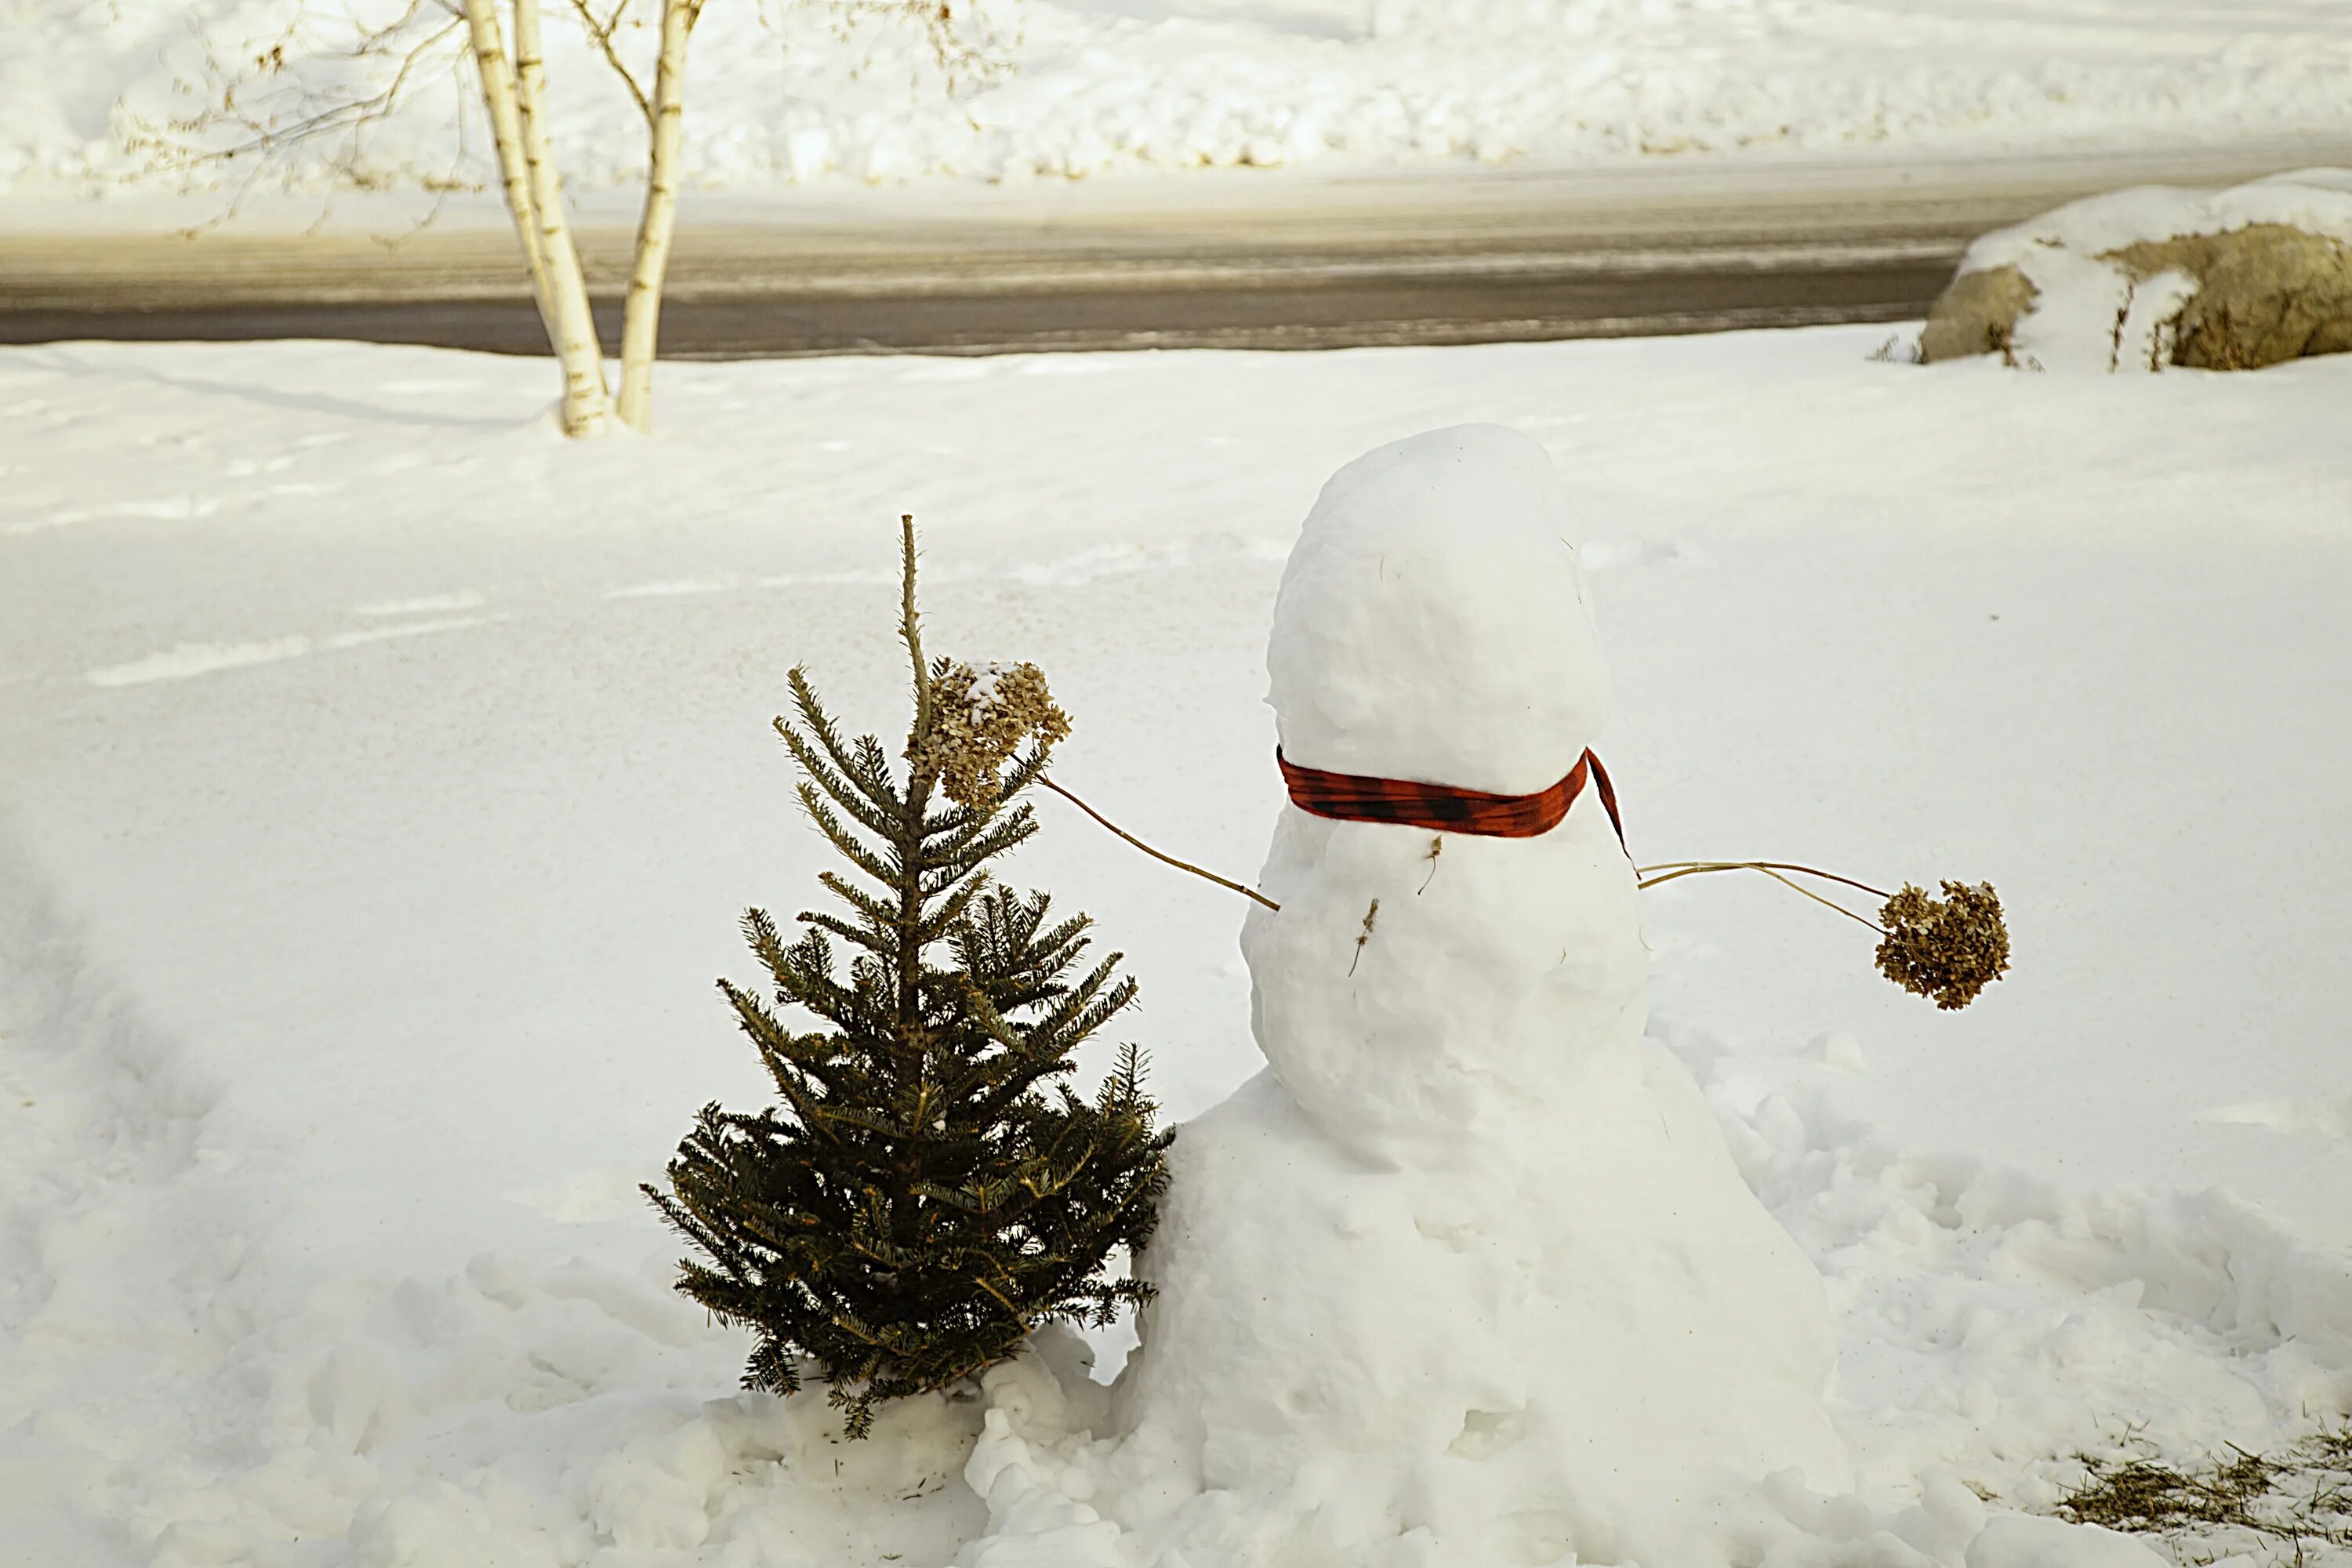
2298	1499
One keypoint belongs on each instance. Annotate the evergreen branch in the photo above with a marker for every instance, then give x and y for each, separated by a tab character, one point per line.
1065	1025
1101	1011
861	764
851	794
864	936
986	842
759	929
1122	1090
1010	965
938	880
953	818
803	972
884	917
1019	1068
949	914
874	760
845	795
845	843
780	1050
1059	948
1024	1072
808	1107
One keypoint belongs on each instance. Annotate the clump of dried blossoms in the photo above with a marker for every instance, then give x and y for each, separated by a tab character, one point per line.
1945	949
978	719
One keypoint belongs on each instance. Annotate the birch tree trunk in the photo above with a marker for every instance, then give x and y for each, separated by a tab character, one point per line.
587	402
495	67
641	316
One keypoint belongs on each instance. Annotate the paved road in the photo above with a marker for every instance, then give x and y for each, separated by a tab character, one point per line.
1227	261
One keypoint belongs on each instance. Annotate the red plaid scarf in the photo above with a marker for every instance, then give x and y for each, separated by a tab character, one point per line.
1352	797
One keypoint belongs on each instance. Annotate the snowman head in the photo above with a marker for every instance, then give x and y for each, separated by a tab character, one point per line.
1432	624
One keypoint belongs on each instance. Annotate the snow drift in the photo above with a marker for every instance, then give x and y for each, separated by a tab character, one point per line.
96	95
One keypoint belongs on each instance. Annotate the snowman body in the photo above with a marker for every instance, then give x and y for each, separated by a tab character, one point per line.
1466	1275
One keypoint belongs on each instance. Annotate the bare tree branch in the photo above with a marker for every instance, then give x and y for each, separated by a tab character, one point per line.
601	33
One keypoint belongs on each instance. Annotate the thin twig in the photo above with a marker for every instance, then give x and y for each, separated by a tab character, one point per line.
1826	903
1683	868
1155	854
357	114
1650	876
602	32
1697	868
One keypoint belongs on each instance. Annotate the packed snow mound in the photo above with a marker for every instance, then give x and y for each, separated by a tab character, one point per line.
1420	564
1433	625
1607	1341
98	93
2154	276
1609	1350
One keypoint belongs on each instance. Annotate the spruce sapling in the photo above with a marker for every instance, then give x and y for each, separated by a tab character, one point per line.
929	1189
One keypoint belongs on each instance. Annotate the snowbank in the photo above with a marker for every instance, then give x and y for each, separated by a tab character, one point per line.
2143	279
383	777
93	92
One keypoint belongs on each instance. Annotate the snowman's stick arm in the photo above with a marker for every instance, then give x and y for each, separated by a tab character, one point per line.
1771	869
1685	868
1157	855
1651	876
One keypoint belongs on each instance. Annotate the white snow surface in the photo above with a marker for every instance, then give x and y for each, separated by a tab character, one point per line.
2089	312
349	982
98	94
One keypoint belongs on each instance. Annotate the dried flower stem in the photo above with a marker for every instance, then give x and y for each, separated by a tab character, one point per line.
1947	950
1651	876
1686	867
1667	871
1157	855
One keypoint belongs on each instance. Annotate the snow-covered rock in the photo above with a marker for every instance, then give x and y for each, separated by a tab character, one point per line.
2144	279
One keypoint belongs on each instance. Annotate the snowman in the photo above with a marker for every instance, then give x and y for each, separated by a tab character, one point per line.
1466	1275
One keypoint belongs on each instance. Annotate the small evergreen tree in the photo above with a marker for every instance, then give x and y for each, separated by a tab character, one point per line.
926	1193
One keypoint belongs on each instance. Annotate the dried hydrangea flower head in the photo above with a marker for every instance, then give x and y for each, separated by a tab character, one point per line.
978	719
1948	949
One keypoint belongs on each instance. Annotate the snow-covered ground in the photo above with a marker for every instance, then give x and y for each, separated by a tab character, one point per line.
380	779
95	94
